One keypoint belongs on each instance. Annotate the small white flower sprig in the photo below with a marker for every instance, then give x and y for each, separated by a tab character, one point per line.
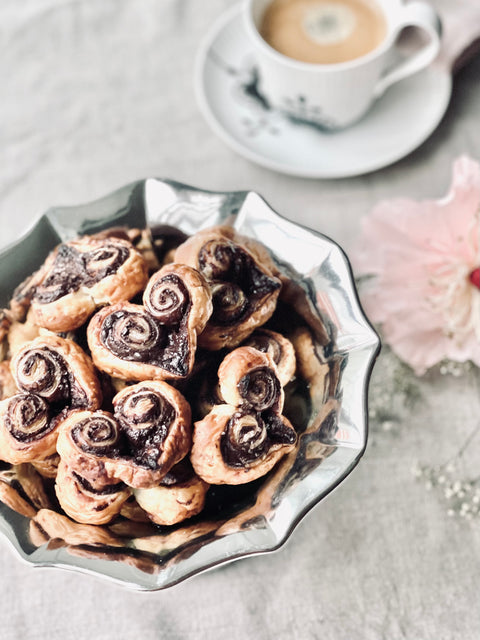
461	495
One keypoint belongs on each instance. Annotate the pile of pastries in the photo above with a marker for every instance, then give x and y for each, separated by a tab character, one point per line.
135	378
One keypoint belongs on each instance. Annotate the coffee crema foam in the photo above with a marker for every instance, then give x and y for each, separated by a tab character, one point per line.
323	31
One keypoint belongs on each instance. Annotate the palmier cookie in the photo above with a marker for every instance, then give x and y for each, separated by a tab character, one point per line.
52	374
86	503
278	347
149	433
241	441
156	341
243	284
27	431
81	275
233	445
59	371
248	377
179	496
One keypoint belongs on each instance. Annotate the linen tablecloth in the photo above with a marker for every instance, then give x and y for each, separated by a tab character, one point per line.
98	94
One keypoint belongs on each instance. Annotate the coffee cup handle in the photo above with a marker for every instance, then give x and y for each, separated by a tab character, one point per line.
415	14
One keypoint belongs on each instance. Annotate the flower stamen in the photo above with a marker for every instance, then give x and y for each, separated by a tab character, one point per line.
474	277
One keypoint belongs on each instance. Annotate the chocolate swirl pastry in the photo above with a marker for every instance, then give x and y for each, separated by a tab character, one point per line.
242	440
156	341
88	442
149	432
248	377
278	347
235	446
26	430
141	239
86	503
243	280
79	276
179	496
155	419
53	374
59	371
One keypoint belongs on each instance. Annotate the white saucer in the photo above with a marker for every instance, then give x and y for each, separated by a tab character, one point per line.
226	91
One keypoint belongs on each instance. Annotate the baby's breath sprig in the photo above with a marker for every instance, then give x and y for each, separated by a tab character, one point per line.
461	495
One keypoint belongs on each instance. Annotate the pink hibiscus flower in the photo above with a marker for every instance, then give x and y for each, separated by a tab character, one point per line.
425	257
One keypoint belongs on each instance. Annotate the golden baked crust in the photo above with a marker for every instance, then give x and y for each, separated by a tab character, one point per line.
52	374
10	496
47	467
29	483
6	319
208	459
244	285
89	442
84	503
173	502
156	341
278	347
8	387
149	432
248	377
23	293
58	370
156	420
242	440
26	430
21	334
80	275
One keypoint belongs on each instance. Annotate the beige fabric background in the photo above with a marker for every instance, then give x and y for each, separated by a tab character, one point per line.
97	93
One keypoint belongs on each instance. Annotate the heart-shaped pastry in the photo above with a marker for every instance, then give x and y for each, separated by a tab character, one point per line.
242	440
243	280
179	496
156	341
148	433
53	374
77	278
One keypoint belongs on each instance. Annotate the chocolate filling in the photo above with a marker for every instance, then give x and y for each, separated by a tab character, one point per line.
259	388
53	384
266	344
168	300
216	259
98	435
105	491
57	384
181	473
230	304
278	431
138	337
249	435
72	269
145	418
226	261
27	417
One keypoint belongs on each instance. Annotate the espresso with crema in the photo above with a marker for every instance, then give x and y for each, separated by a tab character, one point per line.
323	31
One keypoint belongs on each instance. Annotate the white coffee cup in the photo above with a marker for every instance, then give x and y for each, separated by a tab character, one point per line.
334	96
